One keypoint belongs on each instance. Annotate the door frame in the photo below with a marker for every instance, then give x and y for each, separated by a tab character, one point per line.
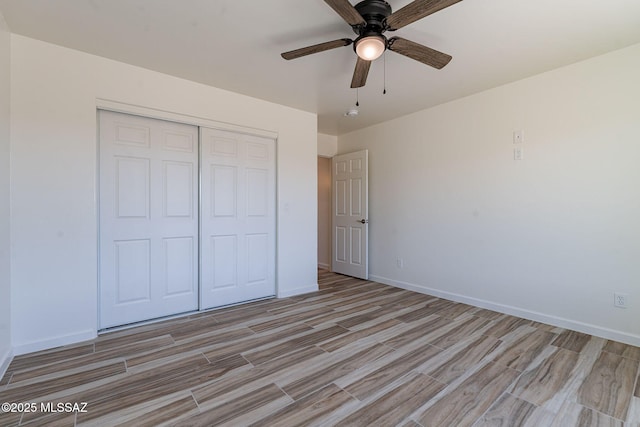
153	113
329	201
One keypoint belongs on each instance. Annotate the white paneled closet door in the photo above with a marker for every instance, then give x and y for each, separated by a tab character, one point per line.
148	218
238	222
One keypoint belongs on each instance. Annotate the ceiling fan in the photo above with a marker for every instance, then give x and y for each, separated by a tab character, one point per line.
370	19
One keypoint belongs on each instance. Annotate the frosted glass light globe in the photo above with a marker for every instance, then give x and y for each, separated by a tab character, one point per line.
370	47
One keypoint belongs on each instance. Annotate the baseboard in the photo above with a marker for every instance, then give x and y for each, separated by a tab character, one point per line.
561	322
298	291
5	361
59	341
324	266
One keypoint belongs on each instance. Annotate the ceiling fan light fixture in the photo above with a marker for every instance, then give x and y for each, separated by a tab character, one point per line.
371	47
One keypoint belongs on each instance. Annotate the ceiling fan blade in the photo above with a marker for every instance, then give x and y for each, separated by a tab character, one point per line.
360	73
346	11
420	53
316	48
416	10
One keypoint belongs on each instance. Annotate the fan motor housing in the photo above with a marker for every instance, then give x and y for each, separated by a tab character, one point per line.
374	12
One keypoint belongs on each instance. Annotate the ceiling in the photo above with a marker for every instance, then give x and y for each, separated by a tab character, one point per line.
236	45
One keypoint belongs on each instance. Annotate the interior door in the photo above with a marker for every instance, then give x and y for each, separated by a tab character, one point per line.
148	218
238	222
350	214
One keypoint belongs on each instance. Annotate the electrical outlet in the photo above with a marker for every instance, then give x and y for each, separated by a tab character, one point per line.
620	300
399	263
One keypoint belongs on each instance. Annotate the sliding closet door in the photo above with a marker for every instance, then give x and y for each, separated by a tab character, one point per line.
148	218
238	220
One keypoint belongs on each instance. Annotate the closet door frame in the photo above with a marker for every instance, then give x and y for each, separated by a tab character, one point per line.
152	113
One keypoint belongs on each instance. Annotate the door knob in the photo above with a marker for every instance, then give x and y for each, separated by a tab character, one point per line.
363	221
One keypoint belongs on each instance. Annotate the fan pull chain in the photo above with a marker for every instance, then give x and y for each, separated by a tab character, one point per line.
384	90
357	98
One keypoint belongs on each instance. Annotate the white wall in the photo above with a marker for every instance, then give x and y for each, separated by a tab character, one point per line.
5	241
550	237
327	145
54	267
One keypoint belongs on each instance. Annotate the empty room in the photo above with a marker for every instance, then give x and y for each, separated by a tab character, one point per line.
319	212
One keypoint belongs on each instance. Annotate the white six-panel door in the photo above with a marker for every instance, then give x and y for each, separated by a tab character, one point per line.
350	214
238	220
148	218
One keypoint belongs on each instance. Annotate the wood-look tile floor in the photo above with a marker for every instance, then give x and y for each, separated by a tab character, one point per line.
354	353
